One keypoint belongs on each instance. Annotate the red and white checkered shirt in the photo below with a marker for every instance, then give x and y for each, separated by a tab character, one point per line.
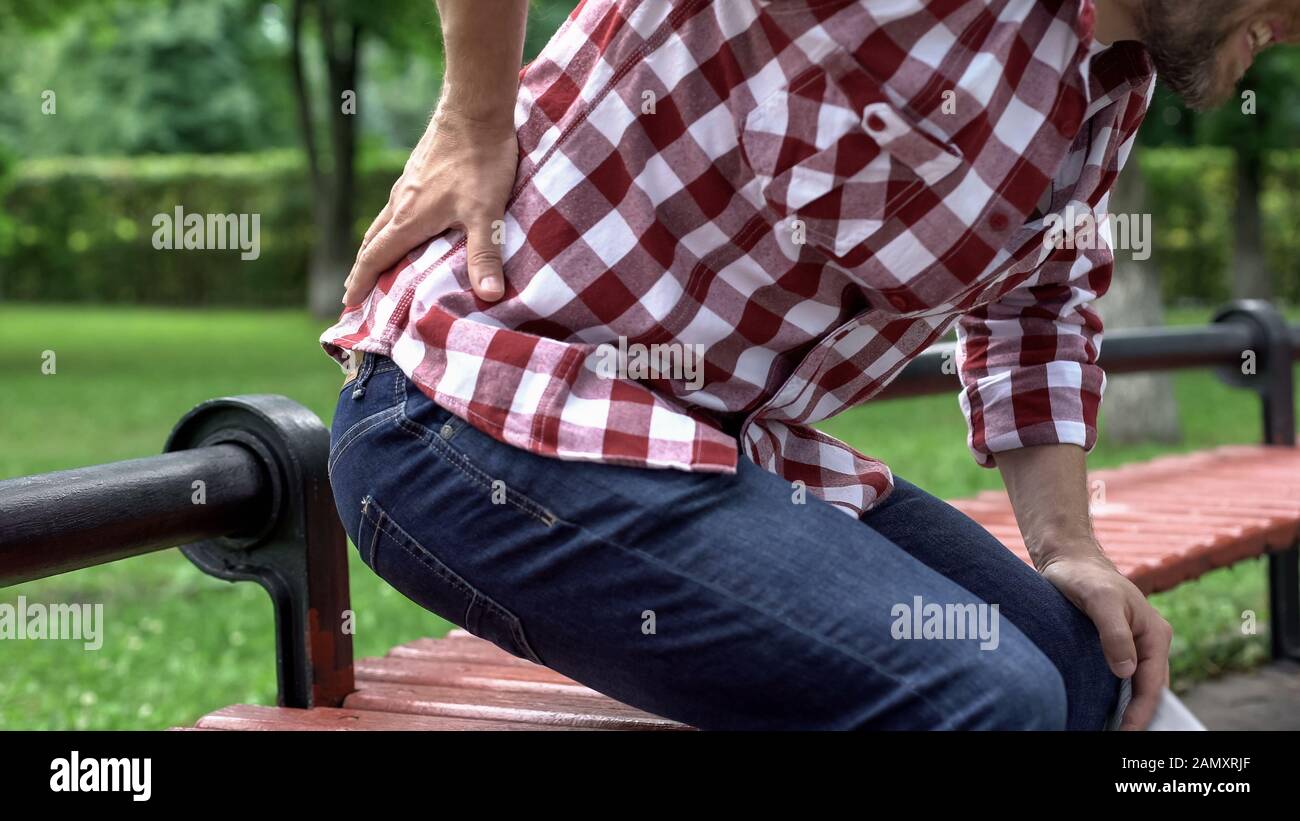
803	193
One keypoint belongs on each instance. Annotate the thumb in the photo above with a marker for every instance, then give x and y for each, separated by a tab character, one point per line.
484	258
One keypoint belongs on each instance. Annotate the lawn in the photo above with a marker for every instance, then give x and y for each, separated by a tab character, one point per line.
178	644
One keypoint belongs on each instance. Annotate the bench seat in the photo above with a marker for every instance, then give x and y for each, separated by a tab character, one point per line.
1162	522
1175	518
459	682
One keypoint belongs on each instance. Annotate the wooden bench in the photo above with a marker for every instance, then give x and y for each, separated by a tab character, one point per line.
1175	518
1163	522
455	683
270	518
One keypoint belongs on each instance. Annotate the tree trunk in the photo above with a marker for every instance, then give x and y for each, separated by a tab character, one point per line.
1251	278
1136	407
333	191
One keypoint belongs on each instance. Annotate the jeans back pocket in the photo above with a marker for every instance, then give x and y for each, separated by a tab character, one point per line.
397	558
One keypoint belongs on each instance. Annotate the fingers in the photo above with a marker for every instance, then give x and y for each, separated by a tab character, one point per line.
1116	634
483	254
388	246
389	238
378	225
1134	638
1152	674
354	289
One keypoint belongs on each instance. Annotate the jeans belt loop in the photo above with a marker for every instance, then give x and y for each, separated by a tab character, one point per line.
364	366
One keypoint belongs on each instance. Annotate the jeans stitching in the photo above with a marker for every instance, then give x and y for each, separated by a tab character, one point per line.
383	523
741	601
471	471
355	432
477	599
374	536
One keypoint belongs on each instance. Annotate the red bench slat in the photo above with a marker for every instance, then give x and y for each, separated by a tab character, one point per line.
458	647
578	712
397	670
256	717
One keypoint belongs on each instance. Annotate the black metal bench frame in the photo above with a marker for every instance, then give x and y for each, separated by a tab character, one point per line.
269	515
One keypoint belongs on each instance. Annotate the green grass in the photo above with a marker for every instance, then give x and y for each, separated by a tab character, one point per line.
178	644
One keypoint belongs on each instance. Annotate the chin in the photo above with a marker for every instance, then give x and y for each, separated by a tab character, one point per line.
1211	100
1209	94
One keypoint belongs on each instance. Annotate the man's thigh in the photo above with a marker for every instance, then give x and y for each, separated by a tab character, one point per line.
718	600
952	544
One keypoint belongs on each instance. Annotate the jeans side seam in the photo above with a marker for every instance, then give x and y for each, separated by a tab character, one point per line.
374	541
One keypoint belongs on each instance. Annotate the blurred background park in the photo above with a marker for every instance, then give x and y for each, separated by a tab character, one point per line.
113	111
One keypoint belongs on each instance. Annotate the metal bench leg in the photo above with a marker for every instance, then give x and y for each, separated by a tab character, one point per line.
300	555
1284	603
1273	381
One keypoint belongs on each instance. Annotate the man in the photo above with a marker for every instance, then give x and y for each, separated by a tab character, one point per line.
795	197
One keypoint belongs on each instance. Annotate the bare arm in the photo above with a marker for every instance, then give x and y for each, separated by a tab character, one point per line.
1048	486
1049	491
461	172
484	43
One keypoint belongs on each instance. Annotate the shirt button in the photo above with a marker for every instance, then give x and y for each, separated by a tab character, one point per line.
999	222
875	122
900	302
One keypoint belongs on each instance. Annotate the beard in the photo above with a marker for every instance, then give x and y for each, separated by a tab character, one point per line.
1185	39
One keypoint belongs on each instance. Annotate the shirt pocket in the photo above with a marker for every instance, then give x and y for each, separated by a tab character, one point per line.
833	152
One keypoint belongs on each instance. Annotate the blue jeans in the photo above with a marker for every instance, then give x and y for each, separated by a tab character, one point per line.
722	601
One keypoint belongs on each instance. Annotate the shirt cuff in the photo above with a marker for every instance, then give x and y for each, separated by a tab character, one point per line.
1051	404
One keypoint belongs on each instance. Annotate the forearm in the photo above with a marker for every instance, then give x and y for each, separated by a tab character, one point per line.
1048	486
484	44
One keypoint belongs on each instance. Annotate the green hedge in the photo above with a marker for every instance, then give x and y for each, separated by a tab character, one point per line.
81	228
1280	203
1191	193
84	228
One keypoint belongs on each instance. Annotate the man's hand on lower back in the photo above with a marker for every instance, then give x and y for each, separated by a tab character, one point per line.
463	169
459	176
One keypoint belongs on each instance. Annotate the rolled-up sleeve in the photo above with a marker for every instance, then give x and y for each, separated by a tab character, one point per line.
1028	362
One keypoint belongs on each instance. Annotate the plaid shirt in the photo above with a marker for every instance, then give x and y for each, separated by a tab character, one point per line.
809	193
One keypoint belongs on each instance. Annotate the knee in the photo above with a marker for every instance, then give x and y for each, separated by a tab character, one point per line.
1015	688
1075	649
1037	696
1034	693
1091	688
